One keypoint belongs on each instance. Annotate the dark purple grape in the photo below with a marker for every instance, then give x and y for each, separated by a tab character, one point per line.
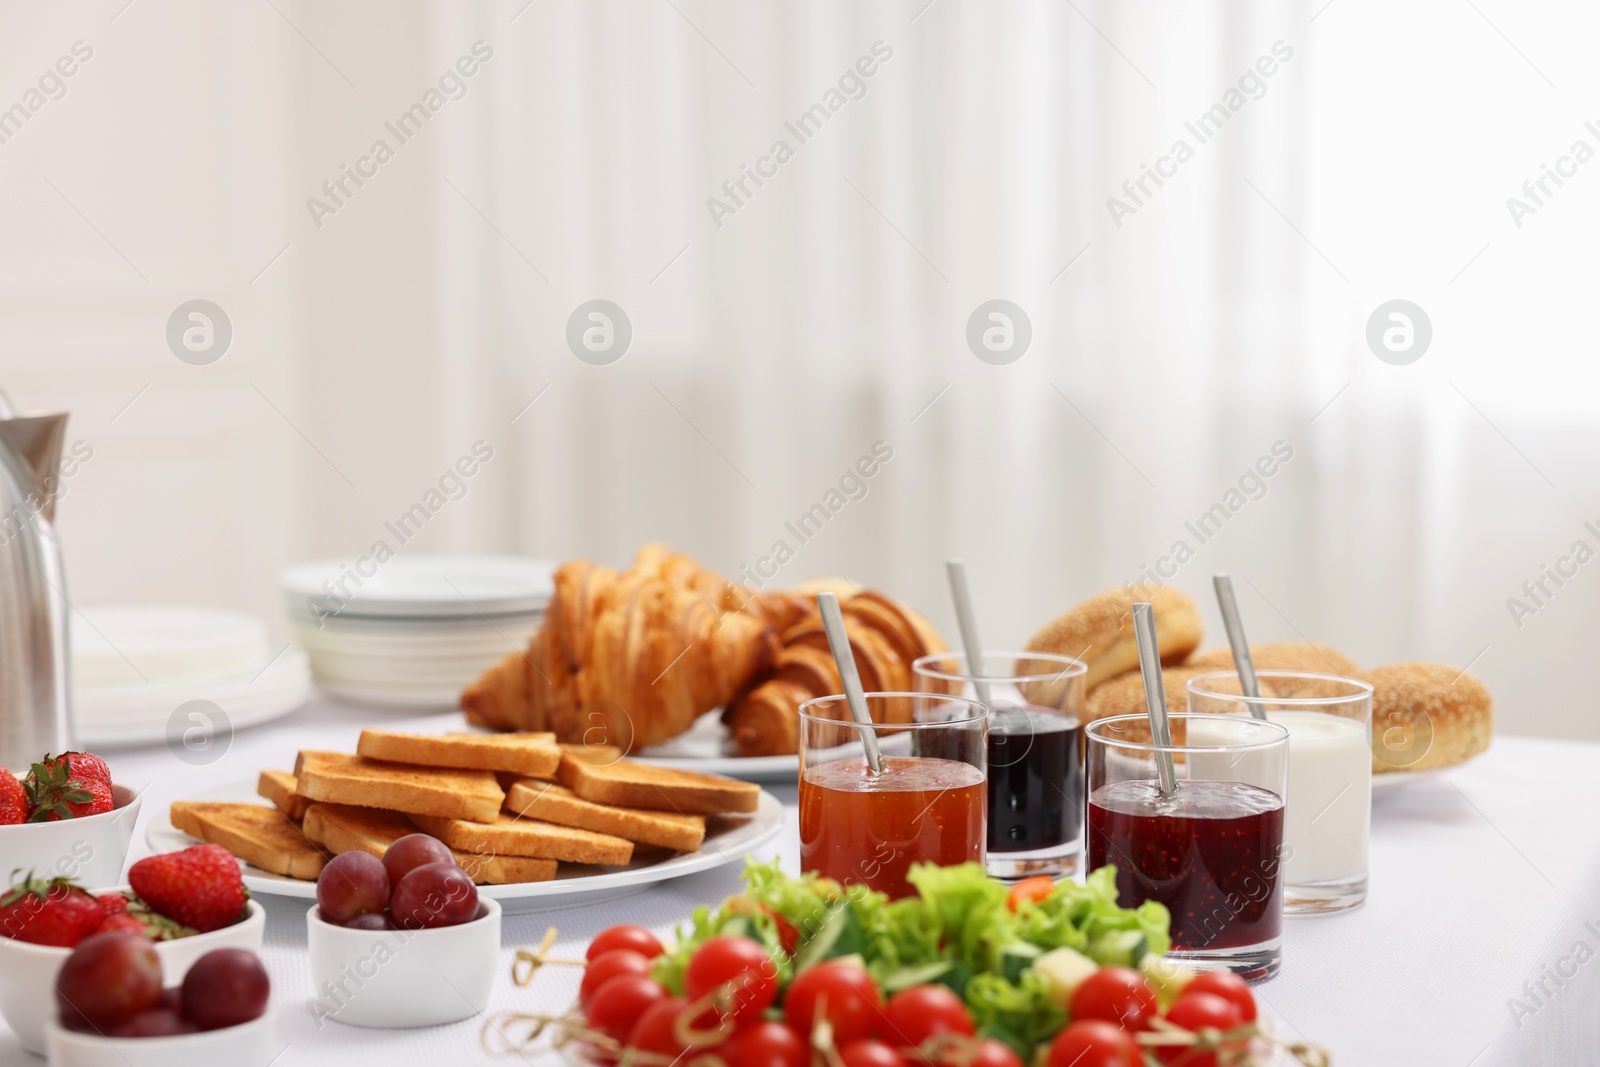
413	851
353	883
155	1022
435	894
369	921
172	998
225	987
108	979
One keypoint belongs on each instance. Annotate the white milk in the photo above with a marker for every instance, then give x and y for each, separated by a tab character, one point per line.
1328	809
1329	816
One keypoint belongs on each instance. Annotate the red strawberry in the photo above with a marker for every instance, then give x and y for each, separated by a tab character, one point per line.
68	786
112	903
13	799
53	912
199	887
121	923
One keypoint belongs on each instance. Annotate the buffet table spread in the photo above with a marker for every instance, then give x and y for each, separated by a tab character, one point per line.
1476	946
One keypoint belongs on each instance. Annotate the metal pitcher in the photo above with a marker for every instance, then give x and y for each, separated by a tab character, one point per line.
35	667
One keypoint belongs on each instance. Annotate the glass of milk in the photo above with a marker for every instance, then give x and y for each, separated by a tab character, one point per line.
1328	817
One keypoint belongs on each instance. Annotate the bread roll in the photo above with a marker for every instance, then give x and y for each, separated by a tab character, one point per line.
1311	657
1427	715
1099	632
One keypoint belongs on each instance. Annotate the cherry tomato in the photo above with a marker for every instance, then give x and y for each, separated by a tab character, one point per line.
636	938
991	1053
854	1005
1228	986
914	1015
1094	1043
617	1005
656	1029
607	966
1196	1011
870	1053
788	935
1032	889
1117	995
766	1044
741	964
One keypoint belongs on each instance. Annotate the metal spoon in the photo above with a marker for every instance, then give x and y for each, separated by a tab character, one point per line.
1155	695
968	624
1241	647
845	661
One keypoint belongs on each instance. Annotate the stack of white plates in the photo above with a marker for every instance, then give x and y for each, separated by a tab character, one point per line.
413	631
133	667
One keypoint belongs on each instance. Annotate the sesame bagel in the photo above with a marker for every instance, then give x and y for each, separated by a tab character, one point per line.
1427	715
1099	631
1311	657
1124	694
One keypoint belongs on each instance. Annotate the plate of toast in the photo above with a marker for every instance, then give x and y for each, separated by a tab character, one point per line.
709	746
538	825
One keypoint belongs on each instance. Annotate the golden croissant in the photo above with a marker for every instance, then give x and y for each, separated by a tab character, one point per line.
628	659
885	638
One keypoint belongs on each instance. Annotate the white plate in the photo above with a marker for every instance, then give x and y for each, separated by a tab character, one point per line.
576	883
405	698
421	586
708	747
1392	782
159	645
139	715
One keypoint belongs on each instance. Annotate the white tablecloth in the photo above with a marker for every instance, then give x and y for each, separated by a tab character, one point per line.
1475	948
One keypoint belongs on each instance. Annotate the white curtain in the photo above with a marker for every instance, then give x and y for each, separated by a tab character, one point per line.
1169	353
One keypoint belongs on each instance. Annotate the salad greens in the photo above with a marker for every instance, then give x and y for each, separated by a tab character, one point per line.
959	930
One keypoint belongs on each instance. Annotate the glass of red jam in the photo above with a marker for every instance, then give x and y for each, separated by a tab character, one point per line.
1210	849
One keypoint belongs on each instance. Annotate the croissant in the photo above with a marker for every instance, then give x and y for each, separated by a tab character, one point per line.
885	638
628	659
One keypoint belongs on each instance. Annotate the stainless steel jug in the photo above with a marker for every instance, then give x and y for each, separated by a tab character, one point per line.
35	667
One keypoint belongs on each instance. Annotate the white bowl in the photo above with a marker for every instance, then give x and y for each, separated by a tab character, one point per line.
28	972
90	850
393	979
251	1044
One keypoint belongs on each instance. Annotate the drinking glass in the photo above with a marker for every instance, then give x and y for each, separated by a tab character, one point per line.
1035	759
1212	849
1329	803
926	806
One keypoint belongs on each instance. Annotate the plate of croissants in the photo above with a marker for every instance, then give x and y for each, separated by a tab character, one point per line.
679	666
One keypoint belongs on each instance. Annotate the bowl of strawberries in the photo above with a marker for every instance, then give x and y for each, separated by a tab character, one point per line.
65	818
185	904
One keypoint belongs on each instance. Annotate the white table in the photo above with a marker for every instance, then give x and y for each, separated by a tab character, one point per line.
1483	879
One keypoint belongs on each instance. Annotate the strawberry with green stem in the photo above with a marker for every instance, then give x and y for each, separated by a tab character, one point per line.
68	786
49	912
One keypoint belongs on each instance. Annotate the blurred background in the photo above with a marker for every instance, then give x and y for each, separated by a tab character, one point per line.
1339	156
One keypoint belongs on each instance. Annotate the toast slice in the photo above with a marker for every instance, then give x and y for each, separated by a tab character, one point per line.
335	778
514	836
600	754
531	754
628	784
340	828
282	789
261	836
558	804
